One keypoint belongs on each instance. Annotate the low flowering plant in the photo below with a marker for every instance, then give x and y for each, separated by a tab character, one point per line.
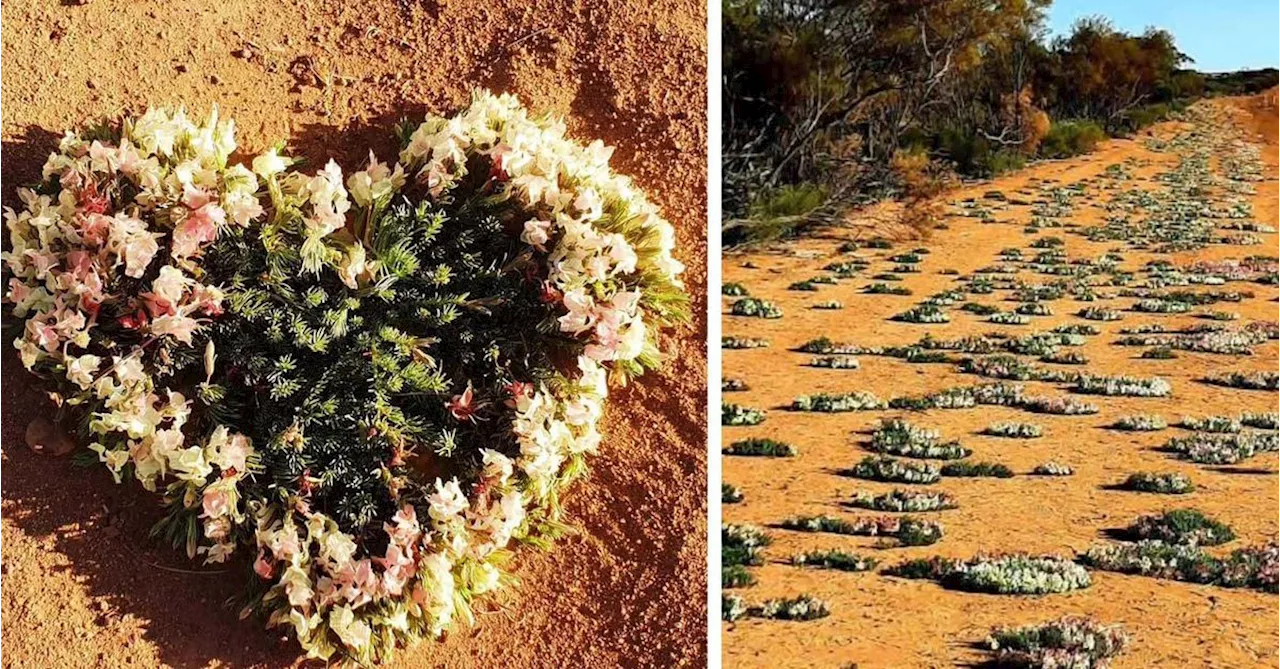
372	384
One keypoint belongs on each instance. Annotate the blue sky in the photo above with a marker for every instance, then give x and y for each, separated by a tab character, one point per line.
1220	35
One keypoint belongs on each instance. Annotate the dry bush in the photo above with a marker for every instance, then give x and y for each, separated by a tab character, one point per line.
1029	123
921	180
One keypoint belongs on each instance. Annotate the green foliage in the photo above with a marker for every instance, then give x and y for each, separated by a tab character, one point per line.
761	447
1067	642
976	469
343	382
1071	138
834	559
1181	526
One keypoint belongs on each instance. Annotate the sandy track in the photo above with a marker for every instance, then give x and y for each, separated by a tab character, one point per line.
878	621
81	586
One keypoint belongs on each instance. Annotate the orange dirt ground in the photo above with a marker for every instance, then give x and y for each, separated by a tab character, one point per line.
880	621
82	587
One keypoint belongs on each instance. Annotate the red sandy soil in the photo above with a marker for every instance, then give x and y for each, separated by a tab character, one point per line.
83	587
880	621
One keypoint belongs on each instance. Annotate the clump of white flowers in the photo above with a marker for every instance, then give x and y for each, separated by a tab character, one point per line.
108	273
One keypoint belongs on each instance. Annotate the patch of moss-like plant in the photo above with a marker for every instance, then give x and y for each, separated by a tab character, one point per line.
730	494
1246	380
734	290
1157	306
754	307
1052	468
1222	449
740	547
803	607
1167	483
1262	421
837	402
1065	358
1009	318
1014	574
924	314
761	447
1067	643
1099	314
1122	386
732	607
834	362
977	469
1011	368
733	386
891	470
834	559
1059	406
1251	567
1140	423
907	530
1014	430
898	437
1189	527
886	289
909	501
825	346
1216	424
736	343
738	415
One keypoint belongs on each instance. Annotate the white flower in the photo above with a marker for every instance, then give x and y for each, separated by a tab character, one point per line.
536	233
297	585
190	464
178	327
81	370
171	284
496	465
338	548
447	501
354	633
377	181
353	265
269	164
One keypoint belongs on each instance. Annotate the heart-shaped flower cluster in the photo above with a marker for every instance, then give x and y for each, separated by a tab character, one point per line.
369	386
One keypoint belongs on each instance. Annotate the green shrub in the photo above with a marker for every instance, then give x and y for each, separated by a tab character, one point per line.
1181	526
730	494
977	469
776	213
734	414
904	500
834	559
1069	642
1169	483
755	308
1071	138
999	574
803	607
761	447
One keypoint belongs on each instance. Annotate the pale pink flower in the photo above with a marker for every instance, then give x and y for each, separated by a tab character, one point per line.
216	502
536	233
262	567
178	327
138	251
581	308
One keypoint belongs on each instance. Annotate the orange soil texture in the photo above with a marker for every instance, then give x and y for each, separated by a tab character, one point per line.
882	621
84	587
